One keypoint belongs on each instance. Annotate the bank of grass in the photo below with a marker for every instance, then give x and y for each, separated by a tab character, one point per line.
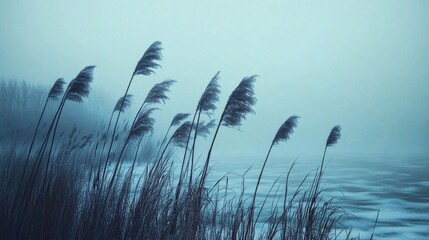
78	187
140	206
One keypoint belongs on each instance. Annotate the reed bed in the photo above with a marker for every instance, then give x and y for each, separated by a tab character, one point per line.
112	183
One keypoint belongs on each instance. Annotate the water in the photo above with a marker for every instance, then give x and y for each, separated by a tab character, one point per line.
398	187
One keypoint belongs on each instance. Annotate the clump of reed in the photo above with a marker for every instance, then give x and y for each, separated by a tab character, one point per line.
85	192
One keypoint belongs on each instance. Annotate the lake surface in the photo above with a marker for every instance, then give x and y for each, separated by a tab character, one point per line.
398	187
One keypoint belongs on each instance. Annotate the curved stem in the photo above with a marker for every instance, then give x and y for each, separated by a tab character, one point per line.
104	145
28	159
323	159
250	219
135	155
116	124
32	142
204	174
52	145
162	143
206	164
191	155
179	184
316	188
285	206
115	172
36	166
187	144
165	149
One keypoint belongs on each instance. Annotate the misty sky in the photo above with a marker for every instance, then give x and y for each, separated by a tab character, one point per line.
361	64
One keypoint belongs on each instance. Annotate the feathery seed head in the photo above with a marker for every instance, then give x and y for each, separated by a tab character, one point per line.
240	103
334	136
127	101
143	124
79	88
180	136
147	64
179	118
286	129
158	93
210	97
204	129
57	89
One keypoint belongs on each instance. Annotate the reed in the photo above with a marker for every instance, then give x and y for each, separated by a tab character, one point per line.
68	201
207	105
176	121
121	105
282	135
145	66
239	104
56	91
142	126
77	90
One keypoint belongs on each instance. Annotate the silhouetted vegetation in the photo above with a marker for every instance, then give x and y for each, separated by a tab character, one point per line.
74	187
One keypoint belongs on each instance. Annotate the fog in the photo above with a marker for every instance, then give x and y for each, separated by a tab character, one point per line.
361	64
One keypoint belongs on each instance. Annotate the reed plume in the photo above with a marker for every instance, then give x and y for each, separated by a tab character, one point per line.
79	87
239	104
54	94
333	138
145	66
57	89
157	94
125	102
180	136
121	105
77	90
178	118
282	135
142	126
204	128
286	130
208	100
159	91
207	105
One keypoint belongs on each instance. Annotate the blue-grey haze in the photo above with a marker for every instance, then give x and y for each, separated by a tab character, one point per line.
361	64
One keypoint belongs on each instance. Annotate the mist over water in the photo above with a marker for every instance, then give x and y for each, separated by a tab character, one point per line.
361	186
361	64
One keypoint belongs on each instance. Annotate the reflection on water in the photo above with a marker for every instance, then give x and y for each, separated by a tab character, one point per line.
399	188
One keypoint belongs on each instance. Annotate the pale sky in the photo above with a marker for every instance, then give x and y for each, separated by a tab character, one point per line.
361	64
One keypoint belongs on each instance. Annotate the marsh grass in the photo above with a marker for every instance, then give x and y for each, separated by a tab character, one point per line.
83	195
